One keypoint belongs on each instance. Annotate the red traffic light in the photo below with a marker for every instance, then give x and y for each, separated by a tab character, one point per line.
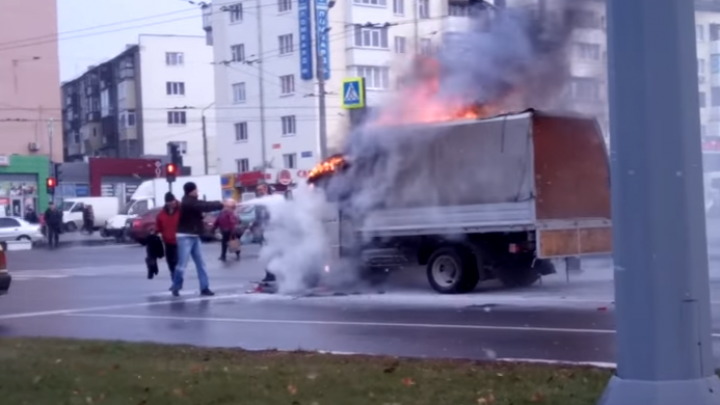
51	182
171	168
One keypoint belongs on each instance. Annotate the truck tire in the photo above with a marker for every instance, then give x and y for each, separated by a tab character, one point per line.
518	272
452	270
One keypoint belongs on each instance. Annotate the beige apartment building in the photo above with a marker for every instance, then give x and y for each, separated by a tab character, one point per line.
29	80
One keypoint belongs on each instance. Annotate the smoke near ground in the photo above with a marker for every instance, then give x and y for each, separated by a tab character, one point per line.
507	61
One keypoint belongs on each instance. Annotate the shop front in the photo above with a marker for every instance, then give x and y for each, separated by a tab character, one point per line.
22	184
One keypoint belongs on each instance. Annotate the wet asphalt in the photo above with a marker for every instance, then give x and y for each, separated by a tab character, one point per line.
102	292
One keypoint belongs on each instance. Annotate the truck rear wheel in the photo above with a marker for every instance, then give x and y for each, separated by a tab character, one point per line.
452	270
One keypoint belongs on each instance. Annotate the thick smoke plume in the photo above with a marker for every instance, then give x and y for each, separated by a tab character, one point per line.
506	61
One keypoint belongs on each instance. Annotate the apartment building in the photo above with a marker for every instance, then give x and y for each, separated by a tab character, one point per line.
29	102
153	93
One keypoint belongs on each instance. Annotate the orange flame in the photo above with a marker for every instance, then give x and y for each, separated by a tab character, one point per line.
329	165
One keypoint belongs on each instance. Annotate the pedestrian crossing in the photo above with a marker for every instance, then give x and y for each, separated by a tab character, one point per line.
27	275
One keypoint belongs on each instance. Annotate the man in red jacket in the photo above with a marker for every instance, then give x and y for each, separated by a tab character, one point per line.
166	226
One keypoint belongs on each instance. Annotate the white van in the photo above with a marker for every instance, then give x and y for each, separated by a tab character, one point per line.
104	208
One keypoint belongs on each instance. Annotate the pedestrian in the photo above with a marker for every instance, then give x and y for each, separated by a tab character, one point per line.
88	219
166	226
53	225
227	222
31	216
189	231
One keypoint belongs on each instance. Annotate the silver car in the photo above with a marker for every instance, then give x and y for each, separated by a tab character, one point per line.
14	228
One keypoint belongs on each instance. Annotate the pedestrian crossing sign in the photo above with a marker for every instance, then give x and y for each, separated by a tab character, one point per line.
353	93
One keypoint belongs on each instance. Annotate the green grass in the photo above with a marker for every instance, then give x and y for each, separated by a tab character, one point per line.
60	372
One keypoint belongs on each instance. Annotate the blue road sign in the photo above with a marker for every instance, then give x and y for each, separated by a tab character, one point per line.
323	43
353	93
306	42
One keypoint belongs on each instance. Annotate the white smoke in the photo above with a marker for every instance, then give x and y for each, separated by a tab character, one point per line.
296	248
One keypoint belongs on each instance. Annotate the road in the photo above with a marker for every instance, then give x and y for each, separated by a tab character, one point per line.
102	292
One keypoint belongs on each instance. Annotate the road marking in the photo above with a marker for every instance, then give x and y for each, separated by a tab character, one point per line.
345	323
117	307
596	364
351	323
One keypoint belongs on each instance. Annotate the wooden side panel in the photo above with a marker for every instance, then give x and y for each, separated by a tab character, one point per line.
574	242
572	176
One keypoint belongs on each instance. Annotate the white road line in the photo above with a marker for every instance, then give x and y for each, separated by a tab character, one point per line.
116	307
345	323
350	323
596	364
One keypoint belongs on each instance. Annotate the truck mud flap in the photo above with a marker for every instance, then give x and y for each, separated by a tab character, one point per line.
553	243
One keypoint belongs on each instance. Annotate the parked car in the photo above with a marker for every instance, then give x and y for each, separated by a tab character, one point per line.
5	278
142	226
14	228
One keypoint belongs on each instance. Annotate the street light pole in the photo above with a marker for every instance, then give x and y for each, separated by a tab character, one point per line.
662	294
205	140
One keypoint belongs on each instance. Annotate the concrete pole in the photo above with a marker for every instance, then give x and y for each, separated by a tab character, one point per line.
51	136
664	345
261	84
205	144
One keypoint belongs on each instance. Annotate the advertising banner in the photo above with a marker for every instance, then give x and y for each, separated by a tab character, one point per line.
306	42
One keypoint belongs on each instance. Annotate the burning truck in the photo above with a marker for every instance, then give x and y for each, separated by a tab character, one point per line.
471	199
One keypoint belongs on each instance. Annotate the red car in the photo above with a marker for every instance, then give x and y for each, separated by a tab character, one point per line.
143	226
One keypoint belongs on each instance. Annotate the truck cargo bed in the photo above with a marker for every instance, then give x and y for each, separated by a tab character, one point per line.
499	217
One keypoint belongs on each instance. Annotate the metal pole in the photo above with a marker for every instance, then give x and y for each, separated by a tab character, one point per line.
261	82
662	294
322	115
205	144
51	136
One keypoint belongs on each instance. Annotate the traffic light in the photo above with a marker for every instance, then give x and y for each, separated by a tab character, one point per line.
51	183
170	172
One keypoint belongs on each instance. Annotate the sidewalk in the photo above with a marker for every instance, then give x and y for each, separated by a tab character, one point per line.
79	239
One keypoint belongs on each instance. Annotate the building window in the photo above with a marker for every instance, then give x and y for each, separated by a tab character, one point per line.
400	44
237	53
243	165
458	10
371	37
701	66
130	119
288	125
176	118
241	131
372	2
175	88
174	58
290	161
715	96
699	33
587	51
376	77
703	101
399	7
585	19
425	46
236	13
423	9
287	84
238	90
285	44
585	89
284	5
715	64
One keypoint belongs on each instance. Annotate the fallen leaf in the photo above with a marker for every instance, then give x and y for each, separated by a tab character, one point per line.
500	375
37	379
408	382
197	368
538	397
116	367
89	400
178	392
292	389
482	401
58	361
312	376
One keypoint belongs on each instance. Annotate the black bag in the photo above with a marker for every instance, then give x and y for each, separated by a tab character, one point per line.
154	247
152	267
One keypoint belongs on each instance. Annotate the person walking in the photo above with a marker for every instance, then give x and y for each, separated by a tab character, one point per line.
166	226
227	222
190	228
53	225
